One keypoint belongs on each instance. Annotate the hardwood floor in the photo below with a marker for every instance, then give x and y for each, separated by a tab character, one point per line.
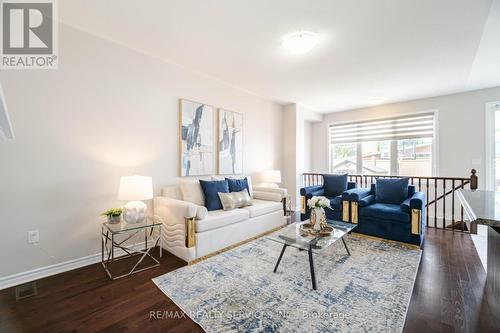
449	293
448	297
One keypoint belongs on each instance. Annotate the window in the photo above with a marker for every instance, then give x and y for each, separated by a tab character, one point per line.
376	157
415	157
392	146
344	157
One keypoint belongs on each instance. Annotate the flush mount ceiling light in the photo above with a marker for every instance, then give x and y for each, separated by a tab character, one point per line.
300	42
377	101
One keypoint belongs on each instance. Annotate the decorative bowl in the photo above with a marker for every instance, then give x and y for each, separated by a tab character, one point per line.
307	229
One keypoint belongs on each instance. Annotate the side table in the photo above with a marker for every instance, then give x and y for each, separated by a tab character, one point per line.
131	240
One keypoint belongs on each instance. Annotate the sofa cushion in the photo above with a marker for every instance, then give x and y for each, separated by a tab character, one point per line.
262	207
191	191
211	191
334	185
385	212
391	190
174	192
238	185
220	218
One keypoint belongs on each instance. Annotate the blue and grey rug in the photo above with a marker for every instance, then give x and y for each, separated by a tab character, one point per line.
237	291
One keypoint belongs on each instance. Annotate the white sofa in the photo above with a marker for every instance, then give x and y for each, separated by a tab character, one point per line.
191	232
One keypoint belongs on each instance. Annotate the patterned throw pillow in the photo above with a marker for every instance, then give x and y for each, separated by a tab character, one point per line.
234	200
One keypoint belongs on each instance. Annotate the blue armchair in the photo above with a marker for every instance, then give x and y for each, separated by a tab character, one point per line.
398	218
333	188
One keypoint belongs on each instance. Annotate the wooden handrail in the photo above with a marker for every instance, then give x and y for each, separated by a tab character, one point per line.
391	176
449	192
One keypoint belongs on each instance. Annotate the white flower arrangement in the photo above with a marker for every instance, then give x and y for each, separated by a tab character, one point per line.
318	202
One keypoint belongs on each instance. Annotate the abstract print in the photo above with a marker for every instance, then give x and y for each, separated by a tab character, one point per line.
230	142
197	150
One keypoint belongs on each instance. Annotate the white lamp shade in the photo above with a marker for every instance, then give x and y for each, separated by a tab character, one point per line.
270	176
135	188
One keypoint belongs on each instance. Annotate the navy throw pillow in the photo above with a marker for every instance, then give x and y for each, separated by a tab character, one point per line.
334	185
210	192
238	185
391	190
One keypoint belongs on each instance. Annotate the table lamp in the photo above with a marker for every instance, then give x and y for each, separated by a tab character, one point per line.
134	189
270	178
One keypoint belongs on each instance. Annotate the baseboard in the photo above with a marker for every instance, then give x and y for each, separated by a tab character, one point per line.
42	272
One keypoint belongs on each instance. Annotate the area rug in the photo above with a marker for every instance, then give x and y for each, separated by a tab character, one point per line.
237	291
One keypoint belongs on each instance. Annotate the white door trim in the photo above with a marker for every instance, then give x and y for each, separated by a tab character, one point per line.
490	108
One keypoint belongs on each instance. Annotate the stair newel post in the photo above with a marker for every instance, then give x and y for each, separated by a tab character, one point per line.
473	180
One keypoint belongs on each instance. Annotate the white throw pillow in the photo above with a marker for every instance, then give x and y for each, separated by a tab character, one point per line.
192	192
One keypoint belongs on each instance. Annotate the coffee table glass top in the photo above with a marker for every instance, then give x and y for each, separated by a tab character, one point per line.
293	236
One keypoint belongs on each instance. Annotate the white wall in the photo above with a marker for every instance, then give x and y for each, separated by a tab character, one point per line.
107	111
461	130
290	152
308	136
6	132
297	136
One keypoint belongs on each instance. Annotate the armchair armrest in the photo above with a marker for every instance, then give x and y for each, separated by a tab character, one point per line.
312	190
281	191
418	213
356	194
405	206
351	185
366	201
307	193
417	201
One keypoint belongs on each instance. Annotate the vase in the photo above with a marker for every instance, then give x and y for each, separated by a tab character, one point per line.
317	218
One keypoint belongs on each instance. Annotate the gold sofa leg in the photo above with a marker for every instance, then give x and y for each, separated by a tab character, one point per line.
302	204
345	211
416	217
354	212
190	231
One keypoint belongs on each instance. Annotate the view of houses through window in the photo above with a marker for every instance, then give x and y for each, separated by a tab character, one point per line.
407	153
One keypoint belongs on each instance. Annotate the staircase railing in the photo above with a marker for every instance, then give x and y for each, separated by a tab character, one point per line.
442	208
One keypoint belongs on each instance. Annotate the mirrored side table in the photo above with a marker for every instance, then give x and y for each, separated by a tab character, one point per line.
132	243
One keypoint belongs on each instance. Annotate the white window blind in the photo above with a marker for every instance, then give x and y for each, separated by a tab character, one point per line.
397	128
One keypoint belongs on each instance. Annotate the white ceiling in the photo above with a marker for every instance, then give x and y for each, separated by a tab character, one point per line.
391	50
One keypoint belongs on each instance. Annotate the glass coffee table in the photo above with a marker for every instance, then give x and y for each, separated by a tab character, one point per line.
293	236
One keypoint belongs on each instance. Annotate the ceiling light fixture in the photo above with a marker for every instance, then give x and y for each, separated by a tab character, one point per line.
377	101
300	42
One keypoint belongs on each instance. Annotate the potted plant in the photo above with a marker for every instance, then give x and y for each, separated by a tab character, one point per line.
317	204
113	215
